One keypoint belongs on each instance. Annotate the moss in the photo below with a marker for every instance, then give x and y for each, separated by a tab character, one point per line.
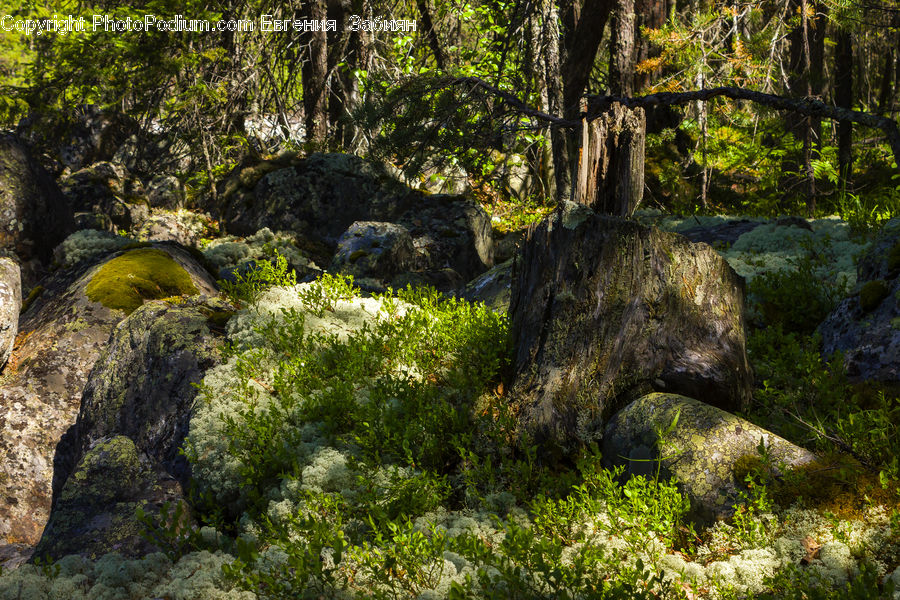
357	254
872	293
32	296
135	245
143	274
894	259
219	318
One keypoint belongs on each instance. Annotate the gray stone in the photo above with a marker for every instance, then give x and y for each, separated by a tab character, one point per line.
604	311
374	249
165	191
34	215
700	451
63	335
869	336
319	197
492	287
10	304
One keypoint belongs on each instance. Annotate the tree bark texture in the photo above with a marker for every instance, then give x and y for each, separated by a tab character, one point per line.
314	74
562	164
843	97
605	310
611	169
622	57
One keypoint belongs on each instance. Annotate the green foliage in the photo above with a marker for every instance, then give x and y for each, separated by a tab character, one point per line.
249	284
137	275
797	583
796	299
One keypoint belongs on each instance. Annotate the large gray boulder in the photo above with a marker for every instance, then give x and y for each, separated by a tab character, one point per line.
135	413
374	249
107	190
10	304
866	326
63	333
34	215
319	197
604	311
703	451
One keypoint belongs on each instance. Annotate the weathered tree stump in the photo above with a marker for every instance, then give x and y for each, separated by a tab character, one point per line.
605	310
611	166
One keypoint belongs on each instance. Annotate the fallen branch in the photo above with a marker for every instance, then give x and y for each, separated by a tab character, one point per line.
598	105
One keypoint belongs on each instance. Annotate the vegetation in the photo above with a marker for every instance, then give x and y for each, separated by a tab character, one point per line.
142	274
356	446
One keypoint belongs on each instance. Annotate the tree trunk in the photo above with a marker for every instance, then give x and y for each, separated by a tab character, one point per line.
611	170
621	50
843	97
431	33
556	98
605	310
314	73
582	42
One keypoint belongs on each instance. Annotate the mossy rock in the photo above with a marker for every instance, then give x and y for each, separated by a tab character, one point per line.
872	293
894	259
708	450
142	274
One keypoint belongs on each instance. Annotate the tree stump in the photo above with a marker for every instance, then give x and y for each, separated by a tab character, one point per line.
611	166
605	310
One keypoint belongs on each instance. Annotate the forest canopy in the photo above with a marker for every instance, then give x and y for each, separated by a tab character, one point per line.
374	88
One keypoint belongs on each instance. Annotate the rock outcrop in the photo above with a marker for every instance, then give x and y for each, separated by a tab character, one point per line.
10	304
62	334
374	249
34	215
492	287
319	197
866	326
701	451
604	311
135	413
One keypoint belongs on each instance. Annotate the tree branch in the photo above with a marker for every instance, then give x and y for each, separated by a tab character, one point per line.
812	108
598	105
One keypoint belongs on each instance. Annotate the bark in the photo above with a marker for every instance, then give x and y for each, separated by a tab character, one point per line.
611	172
431	33
314	74
843	97
582	42
556	99
605	310
622	49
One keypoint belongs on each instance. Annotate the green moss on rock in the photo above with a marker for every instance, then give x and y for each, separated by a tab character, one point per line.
894	259
872	293
143	274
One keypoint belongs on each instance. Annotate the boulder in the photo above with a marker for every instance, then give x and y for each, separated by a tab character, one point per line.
95	512
139	399
866	326
492	287
701	450
450	232
10	304
319	197
374	249
605	310
107	189
62	333
721	235
165	191
34	214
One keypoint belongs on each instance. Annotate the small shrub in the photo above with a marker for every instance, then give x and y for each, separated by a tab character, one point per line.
872	293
